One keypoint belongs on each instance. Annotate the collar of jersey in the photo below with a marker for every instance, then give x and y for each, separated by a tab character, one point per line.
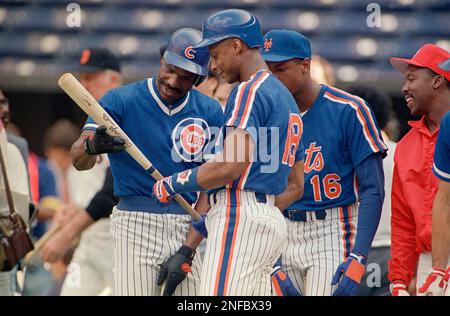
166	107
254	75
317	100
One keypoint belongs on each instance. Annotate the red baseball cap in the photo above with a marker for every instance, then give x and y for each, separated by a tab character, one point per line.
428	56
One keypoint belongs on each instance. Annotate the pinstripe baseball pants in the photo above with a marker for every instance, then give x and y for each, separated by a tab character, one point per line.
316	247
245	237
142	242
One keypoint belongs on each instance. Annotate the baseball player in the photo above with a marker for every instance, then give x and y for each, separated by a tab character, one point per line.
414	187
245	230
437	281
331	228
174	126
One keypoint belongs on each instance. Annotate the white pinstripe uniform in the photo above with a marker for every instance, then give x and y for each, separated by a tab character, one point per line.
146	232
246	232
322	225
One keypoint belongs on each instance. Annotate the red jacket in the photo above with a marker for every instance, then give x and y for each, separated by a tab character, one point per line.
413	189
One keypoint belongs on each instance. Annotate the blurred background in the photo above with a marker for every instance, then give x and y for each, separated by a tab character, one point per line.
39	42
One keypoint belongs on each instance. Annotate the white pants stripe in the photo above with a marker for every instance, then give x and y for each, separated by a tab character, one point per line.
315	249
241	248
142	242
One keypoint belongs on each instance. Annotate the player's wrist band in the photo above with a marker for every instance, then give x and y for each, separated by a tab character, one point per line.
186	251
186	181
360	258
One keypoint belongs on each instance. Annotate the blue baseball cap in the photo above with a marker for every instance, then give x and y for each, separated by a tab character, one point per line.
281	45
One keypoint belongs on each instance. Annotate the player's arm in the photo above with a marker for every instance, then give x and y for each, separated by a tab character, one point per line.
75	220
441	226
370	177
404	256
80	158
294	189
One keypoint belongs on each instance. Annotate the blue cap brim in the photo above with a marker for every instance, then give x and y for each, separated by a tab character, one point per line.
213	40
276	58
184	63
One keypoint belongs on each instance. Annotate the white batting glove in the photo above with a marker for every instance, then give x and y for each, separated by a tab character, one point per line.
398	288
434	284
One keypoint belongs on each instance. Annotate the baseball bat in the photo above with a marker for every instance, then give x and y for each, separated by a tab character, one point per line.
92	108
38	245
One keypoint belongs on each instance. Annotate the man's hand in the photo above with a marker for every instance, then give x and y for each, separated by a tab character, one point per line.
56	247
348	275
434	284
101	143
163	190
175	269
281	283
200	226
398	288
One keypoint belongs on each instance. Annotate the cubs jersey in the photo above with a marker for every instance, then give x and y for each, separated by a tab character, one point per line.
339	133
441	166
267	111
174	137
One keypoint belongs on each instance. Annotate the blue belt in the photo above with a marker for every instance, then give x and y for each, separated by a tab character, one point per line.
149	205
300	216
260	197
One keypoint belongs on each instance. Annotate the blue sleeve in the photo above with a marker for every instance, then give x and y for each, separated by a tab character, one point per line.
245	107
113	104
441	166
362	132
47	182
371	196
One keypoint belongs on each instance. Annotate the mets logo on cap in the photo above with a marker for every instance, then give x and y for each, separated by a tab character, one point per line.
267	44
189	52
189	137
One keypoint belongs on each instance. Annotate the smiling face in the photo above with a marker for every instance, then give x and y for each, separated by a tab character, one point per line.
225	59
418	89
173	82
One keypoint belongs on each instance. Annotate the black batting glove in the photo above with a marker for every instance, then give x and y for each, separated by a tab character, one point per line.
175	269
102	143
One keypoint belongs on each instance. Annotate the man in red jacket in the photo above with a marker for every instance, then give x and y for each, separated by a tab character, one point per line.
427	93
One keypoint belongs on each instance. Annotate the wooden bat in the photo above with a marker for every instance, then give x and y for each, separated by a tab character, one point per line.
38	245
92	108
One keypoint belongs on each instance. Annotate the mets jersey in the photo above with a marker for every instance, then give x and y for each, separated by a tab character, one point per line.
339	133
174	137
267	111
441	166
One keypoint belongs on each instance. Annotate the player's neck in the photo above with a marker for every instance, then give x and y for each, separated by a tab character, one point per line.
252	64
306	95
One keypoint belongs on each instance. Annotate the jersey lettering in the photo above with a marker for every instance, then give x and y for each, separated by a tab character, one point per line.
315	164
294	134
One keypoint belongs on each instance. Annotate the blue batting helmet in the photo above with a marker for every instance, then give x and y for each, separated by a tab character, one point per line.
232	23
180	52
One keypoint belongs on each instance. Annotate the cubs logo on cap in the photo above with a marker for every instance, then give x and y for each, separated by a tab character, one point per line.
189	137
189	52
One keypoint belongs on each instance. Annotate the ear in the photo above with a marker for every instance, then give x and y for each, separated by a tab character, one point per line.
305	66
236	44
437	82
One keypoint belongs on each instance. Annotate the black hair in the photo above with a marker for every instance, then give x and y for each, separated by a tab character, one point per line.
379	101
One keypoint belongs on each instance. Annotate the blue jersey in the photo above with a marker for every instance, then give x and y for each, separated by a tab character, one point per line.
441	166
339	133
267	111
174	137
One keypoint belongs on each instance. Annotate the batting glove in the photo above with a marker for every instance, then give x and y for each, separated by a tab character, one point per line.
434	284
200	225
348	275
101	143
281	283
398	288
175	269
163	190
